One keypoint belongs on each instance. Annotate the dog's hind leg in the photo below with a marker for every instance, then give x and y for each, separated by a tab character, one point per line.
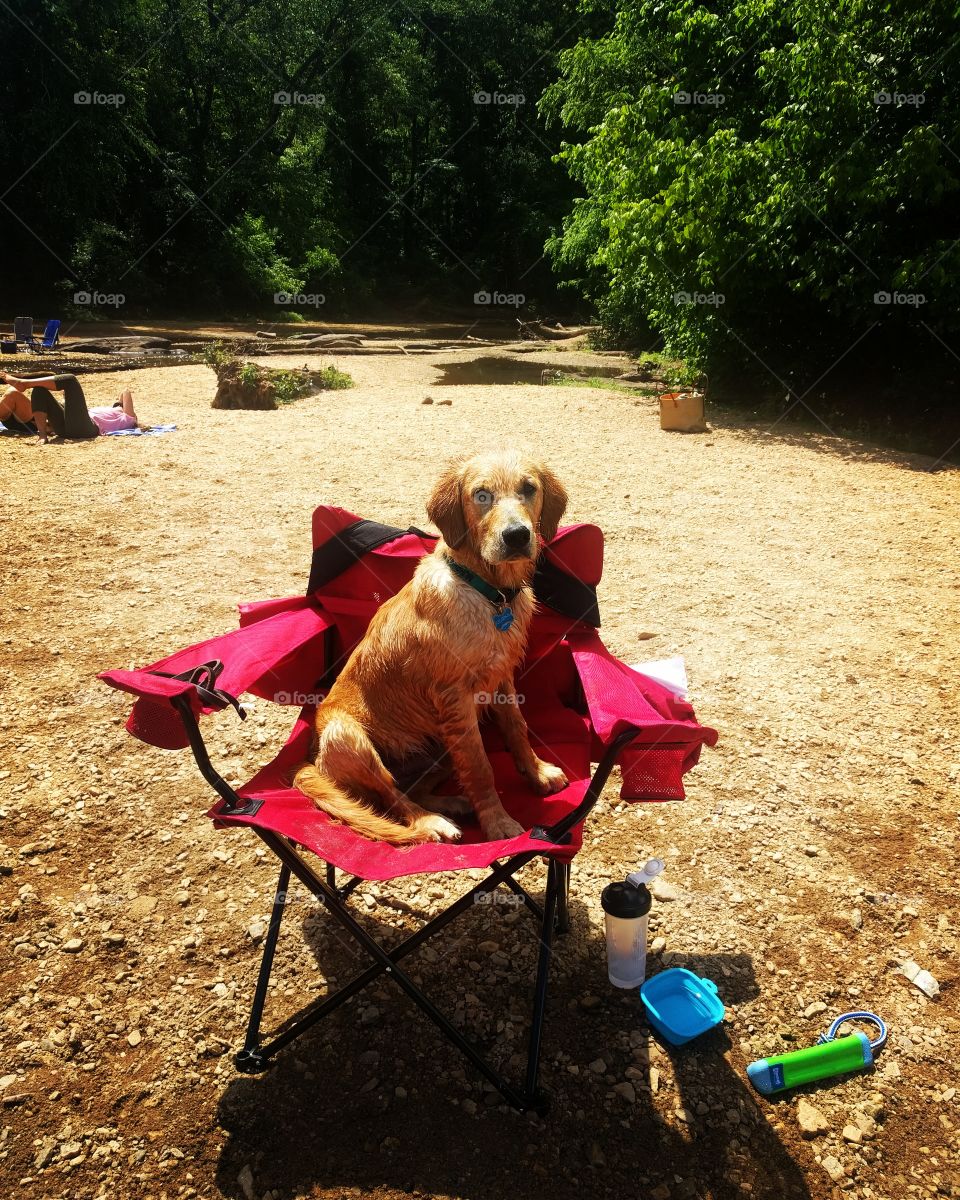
458	807
346	754
421	789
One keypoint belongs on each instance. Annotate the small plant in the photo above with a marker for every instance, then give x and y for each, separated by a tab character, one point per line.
291	385
250	374
332	379
216	354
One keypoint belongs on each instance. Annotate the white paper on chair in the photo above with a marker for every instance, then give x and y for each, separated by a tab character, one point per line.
671	672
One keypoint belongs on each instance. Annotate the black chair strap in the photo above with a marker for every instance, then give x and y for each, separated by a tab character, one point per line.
565	594
345	548
204	679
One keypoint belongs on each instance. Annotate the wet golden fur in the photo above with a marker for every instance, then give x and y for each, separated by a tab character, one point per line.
428	654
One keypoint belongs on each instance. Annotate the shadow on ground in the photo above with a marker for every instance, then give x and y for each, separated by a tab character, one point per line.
498	370
943	454
379	1101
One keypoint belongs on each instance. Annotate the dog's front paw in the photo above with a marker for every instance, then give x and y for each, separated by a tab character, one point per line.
547	778
499	826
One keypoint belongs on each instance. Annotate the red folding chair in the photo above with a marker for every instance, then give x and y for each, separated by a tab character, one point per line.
581	704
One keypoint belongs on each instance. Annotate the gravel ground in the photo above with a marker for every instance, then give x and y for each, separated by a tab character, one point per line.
810	583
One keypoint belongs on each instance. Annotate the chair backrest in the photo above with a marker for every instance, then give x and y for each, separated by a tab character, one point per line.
358	564
51	335
23	329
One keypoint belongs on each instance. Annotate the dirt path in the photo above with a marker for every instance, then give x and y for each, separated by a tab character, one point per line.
811	585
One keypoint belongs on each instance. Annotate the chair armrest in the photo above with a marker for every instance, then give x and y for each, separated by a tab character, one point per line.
233	805
278	659
620	699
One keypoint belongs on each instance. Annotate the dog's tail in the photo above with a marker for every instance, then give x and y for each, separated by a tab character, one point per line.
359	816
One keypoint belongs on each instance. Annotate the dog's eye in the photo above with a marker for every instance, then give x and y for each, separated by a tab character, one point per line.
528	489
483	496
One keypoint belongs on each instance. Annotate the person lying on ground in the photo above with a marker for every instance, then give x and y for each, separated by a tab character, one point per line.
42	413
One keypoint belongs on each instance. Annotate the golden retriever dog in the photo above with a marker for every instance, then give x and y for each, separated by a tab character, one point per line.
434	657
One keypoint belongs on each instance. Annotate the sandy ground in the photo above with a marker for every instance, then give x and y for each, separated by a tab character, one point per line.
811	584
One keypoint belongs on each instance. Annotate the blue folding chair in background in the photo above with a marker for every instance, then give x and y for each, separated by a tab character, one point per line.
51	336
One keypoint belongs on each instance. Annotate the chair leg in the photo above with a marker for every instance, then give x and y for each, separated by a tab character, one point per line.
534	1096
291	1029
387	963
343	890
563	898
249	1059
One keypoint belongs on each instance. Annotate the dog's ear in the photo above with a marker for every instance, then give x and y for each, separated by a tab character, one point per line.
554	503
445	506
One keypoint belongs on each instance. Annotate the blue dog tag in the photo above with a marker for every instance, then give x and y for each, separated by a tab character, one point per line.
503	619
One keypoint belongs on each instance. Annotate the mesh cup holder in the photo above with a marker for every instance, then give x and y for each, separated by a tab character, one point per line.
654	774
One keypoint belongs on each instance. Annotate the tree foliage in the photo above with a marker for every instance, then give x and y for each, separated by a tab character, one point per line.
759	174
199	187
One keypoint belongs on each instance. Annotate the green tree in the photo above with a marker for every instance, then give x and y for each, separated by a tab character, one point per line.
380	178
782	163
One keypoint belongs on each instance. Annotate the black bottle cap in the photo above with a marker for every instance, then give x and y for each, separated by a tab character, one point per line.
625	900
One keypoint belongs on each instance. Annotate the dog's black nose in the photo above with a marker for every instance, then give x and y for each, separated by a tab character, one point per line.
516	537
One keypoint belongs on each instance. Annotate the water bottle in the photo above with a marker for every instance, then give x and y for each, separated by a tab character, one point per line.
626	907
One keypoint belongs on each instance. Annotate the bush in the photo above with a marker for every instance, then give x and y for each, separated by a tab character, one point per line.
291	385
332	379
216	354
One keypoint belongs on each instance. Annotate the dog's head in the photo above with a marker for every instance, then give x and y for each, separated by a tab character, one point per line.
497	507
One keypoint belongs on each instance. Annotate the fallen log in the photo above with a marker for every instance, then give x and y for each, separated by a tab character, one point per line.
327	339
339	351
557	333
110	345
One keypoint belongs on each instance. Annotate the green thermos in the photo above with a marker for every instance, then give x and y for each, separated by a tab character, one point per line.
830	1056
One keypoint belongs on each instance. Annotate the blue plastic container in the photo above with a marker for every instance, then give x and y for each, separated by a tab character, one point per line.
680	1006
